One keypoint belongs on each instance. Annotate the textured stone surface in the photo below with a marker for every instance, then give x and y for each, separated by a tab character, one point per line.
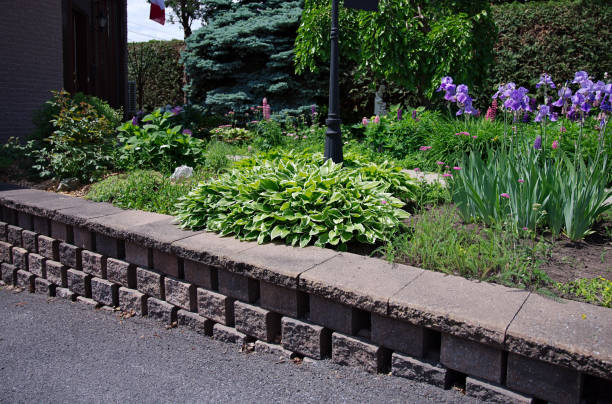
304	338
83	238
30	240
9	273
105	292
238	286
159	234
25	221
362	282
473	310
473	358
25	280
150	283
65	293
210	249
400	336
160	310
492	393
351	351
79	282
121	272
572	334
282	300
88	302
44	287
78	214
61	231
36	265
273	349
6	253
196	322
201	275
215	306
56	273
336	316
166	263
93	263
228	334
48	247
14	235
70	255
181	294
417	370
39	203
257	322
543	380
42	225
110	246
20	258
132	300
3	229
119	225
138	255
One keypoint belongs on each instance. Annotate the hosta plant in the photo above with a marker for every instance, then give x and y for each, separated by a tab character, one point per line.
297	201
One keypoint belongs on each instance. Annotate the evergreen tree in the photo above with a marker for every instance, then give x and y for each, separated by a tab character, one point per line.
245	53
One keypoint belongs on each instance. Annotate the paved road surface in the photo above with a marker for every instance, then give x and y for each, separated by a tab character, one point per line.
53	350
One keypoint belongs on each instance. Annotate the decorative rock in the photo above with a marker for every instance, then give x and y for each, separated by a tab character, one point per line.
25	280
88	302
48	247
93	263
6	253
472	358
36	265
216	306
79	282
3	229
357	352
307	339
196	322
20	258
181	294
30	241
105	292
419	371
65	293
228	334
56	273
160	310
70	255
492	393
237	286
181	173
282	300
9	273
132	300
150	283
257	322
68	184
121	272
201	275
44	287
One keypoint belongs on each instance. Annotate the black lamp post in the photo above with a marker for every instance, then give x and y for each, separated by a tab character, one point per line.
333	135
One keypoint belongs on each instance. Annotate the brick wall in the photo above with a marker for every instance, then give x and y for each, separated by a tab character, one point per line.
30	61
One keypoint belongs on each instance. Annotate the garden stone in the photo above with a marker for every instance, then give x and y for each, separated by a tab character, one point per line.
181	173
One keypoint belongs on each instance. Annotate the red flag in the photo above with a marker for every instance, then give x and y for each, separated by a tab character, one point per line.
158	11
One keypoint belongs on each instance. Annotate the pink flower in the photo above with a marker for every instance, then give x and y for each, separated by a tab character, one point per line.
447	166
525	228
562	129
417	169
555	144
505	195
364	121
424	148
376	119
383	202
465	133
447	175
458	133
440	163
520	180
456	168
474	137
304	137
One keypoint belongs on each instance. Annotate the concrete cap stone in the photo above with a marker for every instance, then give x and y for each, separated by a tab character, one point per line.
477	311
35	202
159	234
79	214
564	332
355	280
119	225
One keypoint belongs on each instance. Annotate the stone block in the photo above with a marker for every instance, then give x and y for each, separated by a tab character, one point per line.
25	221
132	300
304	338
199	324
65	293
257	322
150	283
91	303
417	370
30	240
20	258
121	272
42	225
70	255
493	393
473	358
25	280
3	230
109	246
9	215
161	311
272	349
48	247
228	334
335	316
36	265
6	252
9	273
56	273
215	306
138	255
79	282
44	287
93	263
105	292
401	336
543	380
166	263
201	275
289	302
14	235
83	238
237	286
61	231
357	352
181	294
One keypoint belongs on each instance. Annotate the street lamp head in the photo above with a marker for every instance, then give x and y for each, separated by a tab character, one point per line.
367	5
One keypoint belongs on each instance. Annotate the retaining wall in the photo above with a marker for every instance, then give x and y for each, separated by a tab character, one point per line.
500	344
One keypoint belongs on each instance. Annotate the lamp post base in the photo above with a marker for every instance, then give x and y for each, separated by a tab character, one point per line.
333	141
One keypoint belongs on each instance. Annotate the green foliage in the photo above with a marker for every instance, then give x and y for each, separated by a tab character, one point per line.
158	144
296	200
245	53
231	134
269	134
216	156
597	290
144	190
81	144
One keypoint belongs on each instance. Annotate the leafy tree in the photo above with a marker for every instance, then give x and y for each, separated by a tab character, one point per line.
245	53
411	43
185	12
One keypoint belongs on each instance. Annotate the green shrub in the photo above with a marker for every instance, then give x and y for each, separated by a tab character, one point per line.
158	144
296	200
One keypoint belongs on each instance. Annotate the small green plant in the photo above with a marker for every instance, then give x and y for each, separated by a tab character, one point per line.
597	290
295	200
230	134
216	156
269	134
158	144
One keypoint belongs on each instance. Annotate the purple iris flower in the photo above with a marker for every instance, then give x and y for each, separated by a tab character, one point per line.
580	76
399	114
414	114
545	80
564	94
135	121
176	110
313	110
445	82
187	132
518	100
544	111
450	93
537	144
